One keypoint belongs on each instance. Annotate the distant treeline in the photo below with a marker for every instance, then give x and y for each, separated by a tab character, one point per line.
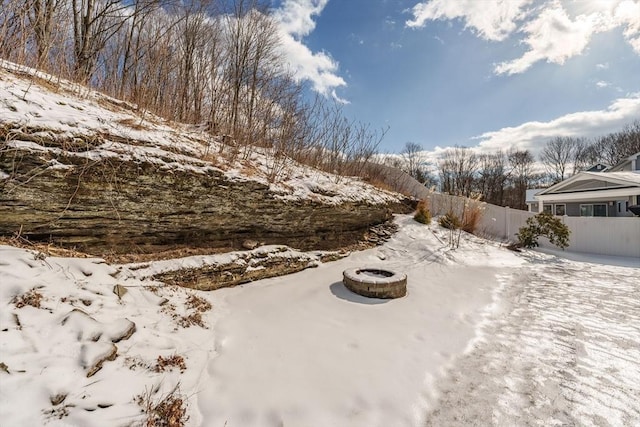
502	178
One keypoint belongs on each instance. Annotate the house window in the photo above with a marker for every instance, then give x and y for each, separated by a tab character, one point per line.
561	209
547	208
593	210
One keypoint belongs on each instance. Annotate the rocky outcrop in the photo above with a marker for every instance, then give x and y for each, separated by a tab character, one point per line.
235	268
65	191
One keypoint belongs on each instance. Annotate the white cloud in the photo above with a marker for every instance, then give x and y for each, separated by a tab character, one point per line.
553	30
295	21
552	36
604	66
628	13
491	19
533	135
603	84
296	16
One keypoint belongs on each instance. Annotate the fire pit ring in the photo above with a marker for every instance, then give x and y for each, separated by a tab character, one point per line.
374	282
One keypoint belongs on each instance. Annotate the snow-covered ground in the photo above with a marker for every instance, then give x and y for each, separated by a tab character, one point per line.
484	336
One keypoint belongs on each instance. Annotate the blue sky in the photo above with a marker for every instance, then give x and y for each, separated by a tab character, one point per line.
490	74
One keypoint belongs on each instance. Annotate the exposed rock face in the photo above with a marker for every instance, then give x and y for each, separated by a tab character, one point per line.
246	266
110	205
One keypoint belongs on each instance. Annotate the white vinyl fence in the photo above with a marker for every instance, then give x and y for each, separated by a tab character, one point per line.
604	236
594	235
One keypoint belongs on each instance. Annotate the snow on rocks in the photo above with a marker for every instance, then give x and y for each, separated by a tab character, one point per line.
73	350
210	272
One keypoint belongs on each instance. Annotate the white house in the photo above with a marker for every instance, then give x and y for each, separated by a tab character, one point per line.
607	193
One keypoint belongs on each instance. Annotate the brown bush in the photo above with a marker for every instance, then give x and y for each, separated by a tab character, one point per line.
423	215
471	217
167	363
170	411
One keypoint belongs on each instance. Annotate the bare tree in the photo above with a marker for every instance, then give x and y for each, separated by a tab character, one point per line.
612	148
135	43
492	177
94	23
193	61
557	156
522	176
43	17
458	168
579	156
413	156
14	30
250	37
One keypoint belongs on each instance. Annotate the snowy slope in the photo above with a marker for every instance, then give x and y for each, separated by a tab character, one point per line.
479	328
46	107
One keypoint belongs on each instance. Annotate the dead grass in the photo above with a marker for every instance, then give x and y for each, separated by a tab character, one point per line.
184	321
32	298
168	411
471	217
58	412
46	249
378	183
197	303
51	249
132	123
191	320
168	363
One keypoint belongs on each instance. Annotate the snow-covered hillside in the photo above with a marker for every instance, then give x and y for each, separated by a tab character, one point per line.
36	107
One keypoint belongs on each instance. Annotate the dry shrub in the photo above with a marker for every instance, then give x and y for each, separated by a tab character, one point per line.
423	215
170	411
183	321
58	412
168	363
190	320
450	221
197	303
471	217
31	297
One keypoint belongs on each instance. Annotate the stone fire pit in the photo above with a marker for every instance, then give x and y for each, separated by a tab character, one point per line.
375	282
